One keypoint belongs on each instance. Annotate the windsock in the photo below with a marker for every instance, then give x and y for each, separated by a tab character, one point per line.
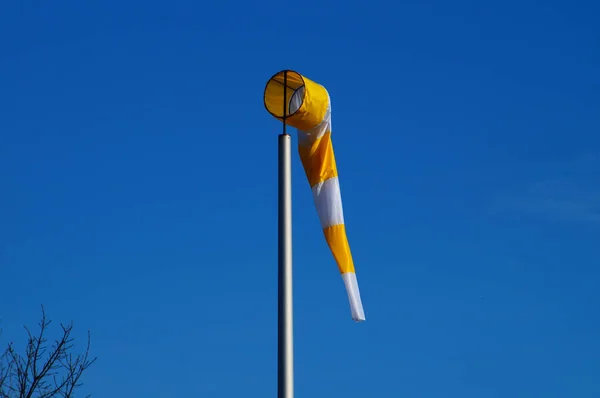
308	109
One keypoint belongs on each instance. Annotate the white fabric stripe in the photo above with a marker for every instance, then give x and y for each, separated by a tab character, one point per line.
356	307
296	100
307	137
328	200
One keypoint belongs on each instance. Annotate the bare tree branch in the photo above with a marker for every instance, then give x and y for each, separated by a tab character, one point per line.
44	372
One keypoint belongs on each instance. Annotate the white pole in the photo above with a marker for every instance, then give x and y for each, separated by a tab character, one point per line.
285	343
285	307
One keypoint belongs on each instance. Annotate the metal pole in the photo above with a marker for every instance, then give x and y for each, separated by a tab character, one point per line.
285	344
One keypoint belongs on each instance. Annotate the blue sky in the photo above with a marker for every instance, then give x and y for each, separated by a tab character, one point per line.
138	194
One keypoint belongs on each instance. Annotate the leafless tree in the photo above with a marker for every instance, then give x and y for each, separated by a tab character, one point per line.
43	371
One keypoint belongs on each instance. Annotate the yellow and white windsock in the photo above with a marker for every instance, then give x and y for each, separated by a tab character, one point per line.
308	109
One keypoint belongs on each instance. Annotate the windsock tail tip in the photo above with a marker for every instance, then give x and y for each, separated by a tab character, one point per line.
356	306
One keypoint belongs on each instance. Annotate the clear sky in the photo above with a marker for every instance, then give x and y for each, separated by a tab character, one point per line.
138	172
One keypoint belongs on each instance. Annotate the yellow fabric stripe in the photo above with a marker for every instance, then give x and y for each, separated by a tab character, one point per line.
319	160
338	243
313	109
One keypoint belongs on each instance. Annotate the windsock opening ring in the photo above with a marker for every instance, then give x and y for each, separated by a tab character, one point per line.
273	95
305	100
